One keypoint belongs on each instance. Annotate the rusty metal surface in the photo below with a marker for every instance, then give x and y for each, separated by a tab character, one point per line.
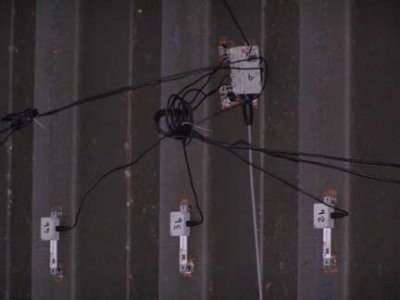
333	73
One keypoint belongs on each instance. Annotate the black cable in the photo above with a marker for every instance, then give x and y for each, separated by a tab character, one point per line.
221	112
169	78
186	87
252	147
209	94
178	112
236	22
373	177
178	123
307	154
210	74
200	91
178	117
338	158
328	157
248	113
21	119
63	228
338	212
192	223
205	84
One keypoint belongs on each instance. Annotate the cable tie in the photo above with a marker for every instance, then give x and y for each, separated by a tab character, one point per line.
19	120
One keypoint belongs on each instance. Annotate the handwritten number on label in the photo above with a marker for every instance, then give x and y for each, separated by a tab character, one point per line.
321	218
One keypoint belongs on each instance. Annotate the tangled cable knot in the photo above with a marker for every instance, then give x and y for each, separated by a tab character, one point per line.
178	119
20	119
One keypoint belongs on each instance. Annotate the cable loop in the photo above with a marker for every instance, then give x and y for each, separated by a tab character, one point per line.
178	119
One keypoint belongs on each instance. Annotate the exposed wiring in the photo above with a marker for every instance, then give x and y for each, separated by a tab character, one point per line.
248	118
179	119
220	112
121	90
17	121
342	159
373	177
338	211
176	120
229	9
63	228
264	73
212	92
179	124
282	155
192	223
21	119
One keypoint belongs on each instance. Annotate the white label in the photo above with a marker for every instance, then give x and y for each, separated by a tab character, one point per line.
322	216
245	71
178	225
48	229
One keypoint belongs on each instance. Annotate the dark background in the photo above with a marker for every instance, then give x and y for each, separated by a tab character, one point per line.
334	69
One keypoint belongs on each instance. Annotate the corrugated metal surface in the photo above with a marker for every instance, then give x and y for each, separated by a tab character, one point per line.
17	61
324	110
333	87
375	98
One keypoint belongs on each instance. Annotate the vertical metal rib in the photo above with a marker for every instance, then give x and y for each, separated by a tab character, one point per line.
262	140
74	158
254	210
9	152
128	151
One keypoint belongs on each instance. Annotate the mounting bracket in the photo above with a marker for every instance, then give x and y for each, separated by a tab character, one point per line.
178	227
48	233
324	221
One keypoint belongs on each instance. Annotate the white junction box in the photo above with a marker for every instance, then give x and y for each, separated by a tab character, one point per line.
322	216
245	65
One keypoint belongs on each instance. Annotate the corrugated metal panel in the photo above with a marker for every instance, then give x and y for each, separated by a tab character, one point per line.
332	80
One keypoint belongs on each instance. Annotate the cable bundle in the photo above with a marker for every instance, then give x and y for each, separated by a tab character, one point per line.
177	121
178	117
